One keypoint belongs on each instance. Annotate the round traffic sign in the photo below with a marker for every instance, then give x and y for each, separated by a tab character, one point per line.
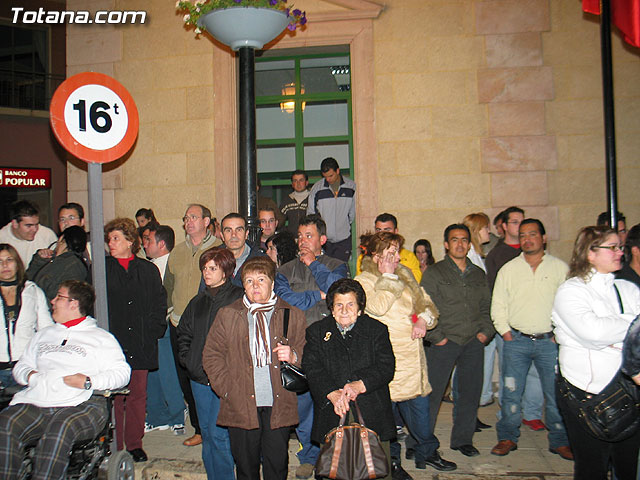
94	117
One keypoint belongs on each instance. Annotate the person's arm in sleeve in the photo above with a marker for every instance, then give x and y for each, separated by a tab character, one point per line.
303	300
486	325
157	324
311	204
321	383
430	285
169	284
115	372
215	352
409	260
43	315
382	294
296	334
185	332
36	264
352	208
382	371
27	362
325	277
573	308
500	304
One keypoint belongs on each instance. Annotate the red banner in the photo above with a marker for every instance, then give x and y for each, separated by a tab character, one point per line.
14	177
625	15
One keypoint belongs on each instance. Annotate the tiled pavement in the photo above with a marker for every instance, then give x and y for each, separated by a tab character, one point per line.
169	459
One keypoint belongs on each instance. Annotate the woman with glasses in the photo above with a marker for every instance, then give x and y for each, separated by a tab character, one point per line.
23	311
592	312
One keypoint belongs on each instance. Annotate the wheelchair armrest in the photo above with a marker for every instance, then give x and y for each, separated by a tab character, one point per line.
109	393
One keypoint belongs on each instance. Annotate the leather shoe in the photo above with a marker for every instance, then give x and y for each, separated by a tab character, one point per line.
193	441
564	451
481	425
467	450
399	473
138	455
503	447
410	454
437	462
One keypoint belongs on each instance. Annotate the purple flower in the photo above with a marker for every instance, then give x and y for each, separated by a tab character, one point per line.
237	1
291	26
297	12
273	2
303	20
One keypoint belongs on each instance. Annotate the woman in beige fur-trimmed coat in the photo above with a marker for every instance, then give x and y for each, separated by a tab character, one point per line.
395	298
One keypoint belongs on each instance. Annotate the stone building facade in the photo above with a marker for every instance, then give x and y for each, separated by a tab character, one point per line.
459	106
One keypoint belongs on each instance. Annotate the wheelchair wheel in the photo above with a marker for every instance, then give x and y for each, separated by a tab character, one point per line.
117	466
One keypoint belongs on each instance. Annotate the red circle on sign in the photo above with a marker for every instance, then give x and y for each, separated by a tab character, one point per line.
64	136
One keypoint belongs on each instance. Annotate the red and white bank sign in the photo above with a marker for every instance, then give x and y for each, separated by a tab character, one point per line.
13	177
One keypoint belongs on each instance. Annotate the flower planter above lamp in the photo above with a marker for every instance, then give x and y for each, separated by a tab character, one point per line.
241	23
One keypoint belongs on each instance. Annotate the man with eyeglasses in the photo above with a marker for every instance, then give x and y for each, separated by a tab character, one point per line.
521	307
605	219
69	215
182	278
24	232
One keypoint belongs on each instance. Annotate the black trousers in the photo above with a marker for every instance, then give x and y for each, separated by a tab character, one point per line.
468	360
249	446
592	456
340	250
184	380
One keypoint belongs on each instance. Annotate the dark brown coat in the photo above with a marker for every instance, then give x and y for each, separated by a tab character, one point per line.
226	359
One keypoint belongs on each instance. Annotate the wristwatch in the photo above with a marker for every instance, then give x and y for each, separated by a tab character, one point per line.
87	384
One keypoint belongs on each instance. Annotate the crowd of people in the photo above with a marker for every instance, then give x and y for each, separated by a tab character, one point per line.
201	326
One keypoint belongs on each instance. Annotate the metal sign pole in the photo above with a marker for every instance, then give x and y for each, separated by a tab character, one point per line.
96	225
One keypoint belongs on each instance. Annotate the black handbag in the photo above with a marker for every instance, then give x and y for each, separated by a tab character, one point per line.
611	415
293	378
353	452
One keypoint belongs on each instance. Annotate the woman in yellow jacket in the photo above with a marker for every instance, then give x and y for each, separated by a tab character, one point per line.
395	298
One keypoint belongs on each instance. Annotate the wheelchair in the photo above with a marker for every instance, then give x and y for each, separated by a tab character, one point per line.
95	459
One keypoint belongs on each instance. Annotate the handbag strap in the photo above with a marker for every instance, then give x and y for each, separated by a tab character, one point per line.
619	298
335	459
285	327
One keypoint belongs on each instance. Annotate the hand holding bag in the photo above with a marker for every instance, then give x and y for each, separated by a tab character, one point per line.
293	378
353	452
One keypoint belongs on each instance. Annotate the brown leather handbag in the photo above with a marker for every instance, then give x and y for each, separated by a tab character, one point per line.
352	452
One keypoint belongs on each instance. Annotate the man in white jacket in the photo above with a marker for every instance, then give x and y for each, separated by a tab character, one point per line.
61	366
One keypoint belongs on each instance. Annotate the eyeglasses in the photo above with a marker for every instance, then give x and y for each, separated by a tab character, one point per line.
193	218
613	248
70	218
64	296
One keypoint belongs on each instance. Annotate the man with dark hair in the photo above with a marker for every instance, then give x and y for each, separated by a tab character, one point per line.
385	222
631	268
181	280
70	214
459	290
303	282
334	198
605	219
521	310
24	232
268	225
61	366
165	403
294	207
234	235
506	250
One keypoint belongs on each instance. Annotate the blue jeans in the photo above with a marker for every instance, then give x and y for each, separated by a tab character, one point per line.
487	386
216	448
6	378
415	413
533	399
309	452
518	354
165	403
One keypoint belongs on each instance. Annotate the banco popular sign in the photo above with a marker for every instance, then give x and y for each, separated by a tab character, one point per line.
12	177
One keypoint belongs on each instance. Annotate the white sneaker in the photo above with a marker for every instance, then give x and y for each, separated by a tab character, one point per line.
177	429
150	428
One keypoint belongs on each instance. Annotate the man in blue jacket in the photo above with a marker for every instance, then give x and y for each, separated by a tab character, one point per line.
303	282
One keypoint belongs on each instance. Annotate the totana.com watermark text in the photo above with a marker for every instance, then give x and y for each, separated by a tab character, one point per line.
40	16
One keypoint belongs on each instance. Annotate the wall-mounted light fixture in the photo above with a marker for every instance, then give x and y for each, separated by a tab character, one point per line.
290	105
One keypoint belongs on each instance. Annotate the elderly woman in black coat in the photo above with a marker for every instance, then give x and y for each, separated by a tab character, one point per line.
137	318
348	356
